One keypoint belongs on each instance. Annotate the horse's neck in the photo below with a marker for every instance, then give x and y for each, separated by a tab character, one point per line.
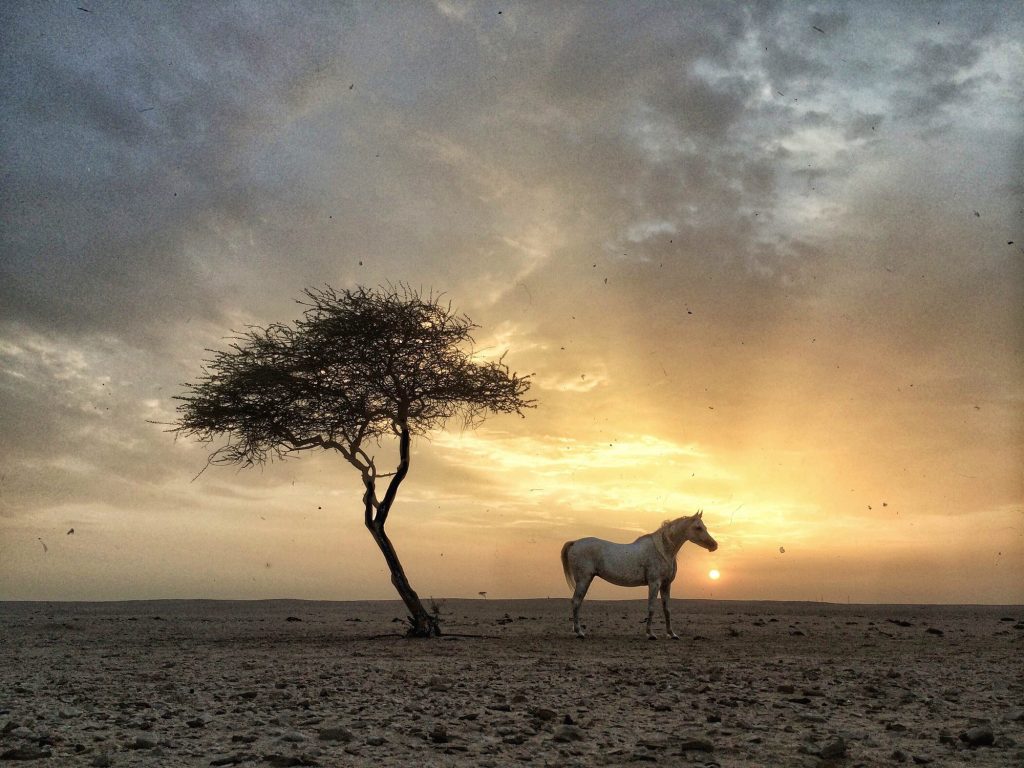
673	545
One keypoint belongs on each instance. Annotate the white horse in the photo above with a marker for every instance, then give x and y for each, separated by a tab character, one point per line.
650	560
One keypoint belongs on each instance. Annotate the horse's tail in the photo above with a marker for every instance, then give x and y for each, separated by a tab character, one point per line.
565	564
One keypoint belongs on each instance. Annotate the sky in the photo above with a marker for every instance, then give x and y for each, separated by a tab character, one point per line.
764	261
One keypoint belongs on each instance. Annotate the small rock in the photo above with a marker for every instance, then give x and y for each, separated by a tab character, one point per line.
287	761
141	742
101	760
543	714
979	736
696	745
834	749
934	631
439	734
439	685
232	759
293	736
21	732
375	741
921	760
335	733
567	733
293	618
26	752
786	688
243	738
196	722
899	756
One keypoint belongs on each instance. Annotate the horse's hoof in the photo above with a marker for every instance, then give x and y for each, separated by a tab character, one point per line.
674	636
652	637
580	636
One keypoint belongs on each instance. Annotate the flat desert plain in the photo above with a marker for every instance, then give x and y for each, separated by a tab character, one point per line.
280	683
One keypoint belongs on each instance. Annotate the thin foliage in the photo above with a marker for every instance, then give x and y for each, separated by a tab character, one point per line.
358	365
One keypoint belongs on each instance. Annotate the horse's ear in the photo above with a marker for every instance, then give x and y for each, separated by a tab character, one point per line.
700	513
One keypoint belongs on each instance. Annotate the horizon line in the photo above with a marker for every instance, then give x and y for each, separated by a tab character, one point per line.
4	601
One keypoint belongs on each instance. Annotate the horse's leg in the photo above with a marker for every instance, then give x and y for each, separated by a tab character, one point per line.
582	585
652	592
666	593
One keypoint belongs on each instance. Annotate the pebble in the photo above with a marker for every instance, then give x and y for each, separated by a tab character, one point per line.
25	752
335	733
696	745
232	759
287	761
835	748
439	734
566	733
979	736
543	714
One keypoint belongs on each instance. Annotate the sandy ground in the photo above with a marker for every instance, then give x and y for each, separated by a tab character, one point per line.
196	683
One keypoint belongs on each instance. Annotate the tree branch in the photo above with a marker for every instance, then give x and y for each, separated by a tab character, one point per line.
403	470
369	501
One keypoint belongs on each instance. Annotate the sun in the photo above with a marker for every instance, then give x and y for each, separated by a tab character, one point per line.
714	575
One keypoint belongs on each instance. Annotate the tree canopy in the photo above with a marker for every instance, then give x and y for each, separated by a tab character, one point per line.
354	367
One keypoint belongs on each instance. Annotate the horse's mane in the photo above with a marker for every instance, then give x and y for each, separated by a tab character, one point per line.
661	540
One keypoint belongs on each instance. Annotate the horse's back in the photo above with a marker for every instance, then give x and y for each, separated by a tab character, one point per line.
621	564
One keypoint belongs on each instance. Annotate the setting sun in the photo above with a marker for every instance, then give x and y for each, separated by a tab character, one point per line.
713	574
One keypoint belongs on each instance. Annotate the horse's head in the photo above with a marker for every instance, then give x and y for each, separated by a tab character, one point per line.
698	534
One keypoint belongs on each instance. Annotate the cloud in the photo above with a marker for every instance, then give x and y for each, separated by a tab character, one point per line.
127	153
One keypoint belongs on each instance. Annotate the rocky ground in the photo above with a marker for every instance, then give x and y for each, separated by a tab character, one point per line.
286	683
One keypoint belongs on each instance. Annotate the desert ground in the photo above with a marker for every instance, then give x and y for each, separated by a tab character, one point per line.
280	683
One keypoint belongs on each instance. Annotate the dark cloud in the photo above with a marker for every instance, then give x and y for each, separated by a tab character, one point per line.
126	140
937	72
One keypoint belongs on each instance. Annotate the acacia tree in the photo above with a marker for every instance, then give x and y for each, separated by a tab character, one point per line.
358	367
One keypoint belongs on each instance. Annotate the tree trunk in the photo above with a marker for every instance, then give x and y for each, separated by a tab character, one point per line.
423	623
